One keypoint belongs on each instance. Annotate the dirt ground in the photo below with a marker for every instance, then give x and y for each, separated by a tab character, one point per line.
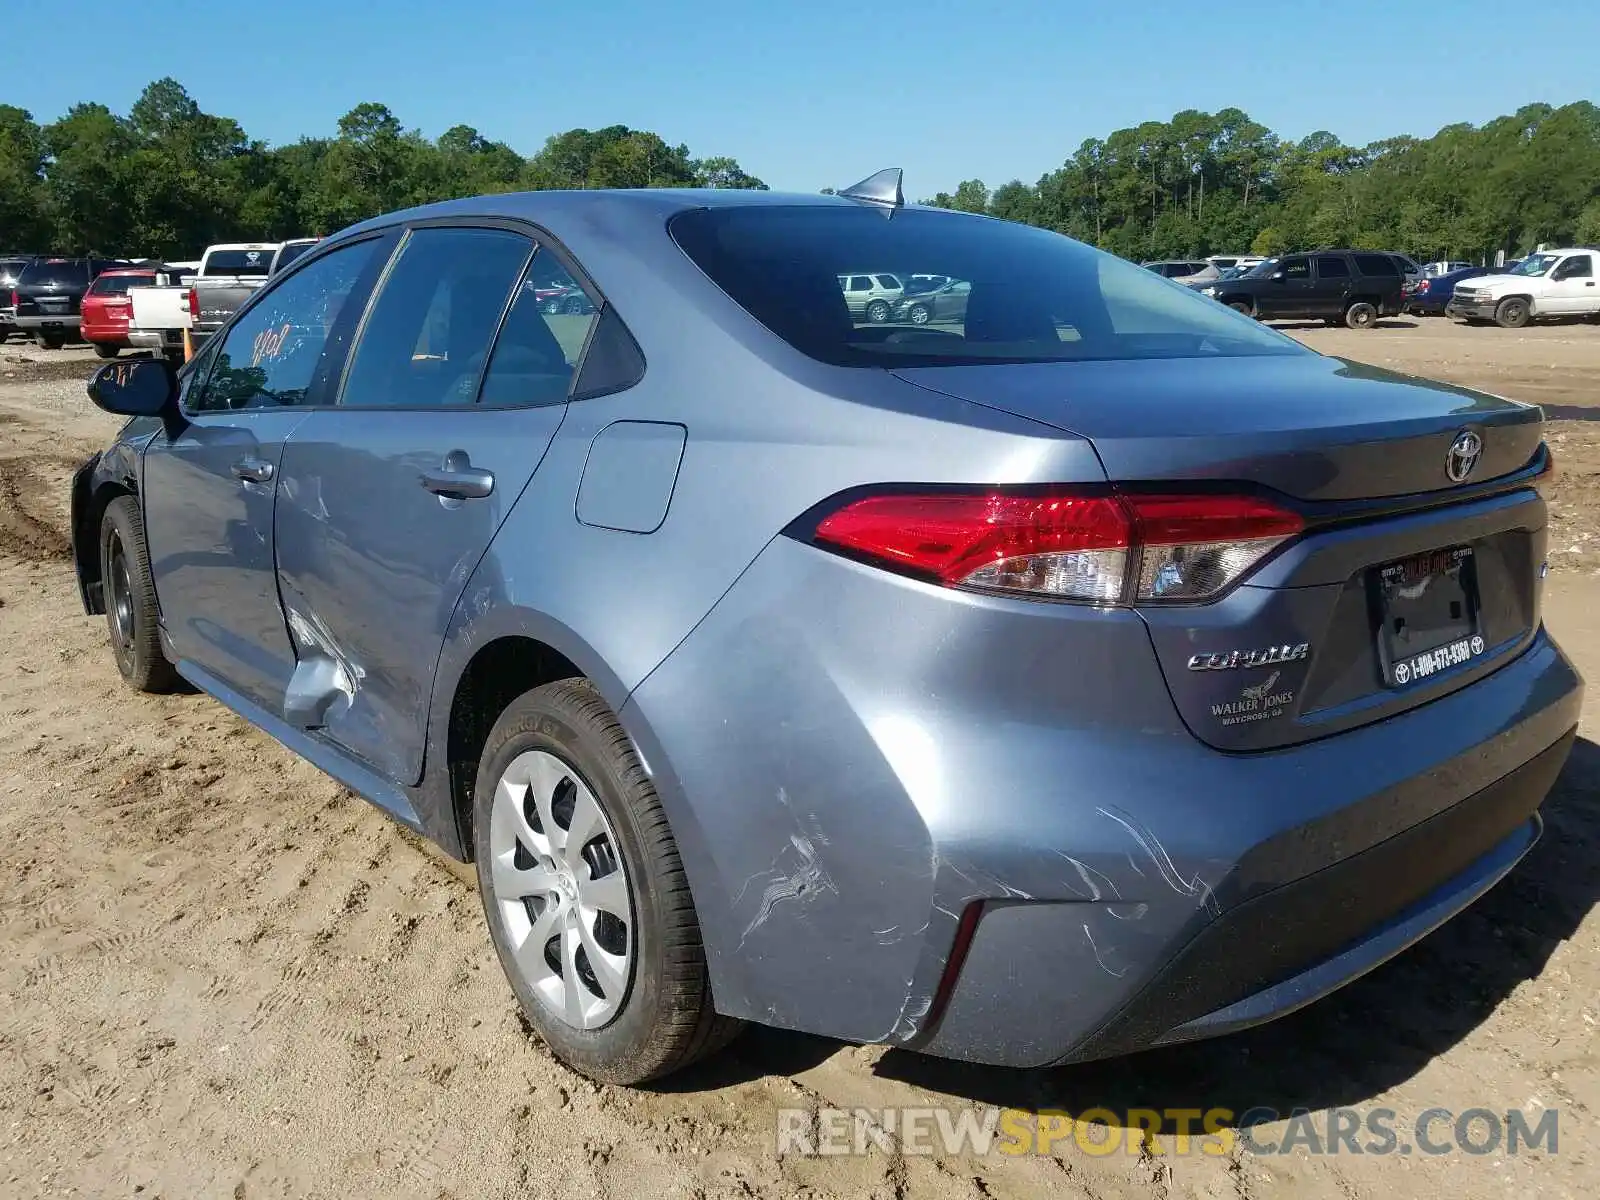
223	975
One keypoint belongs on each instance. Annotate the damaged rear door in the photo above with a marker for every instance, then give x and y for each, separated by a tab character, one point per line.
390	496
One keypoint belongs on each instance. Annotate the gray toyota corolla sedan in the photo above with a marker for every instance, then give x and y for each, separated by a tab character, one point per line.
1101	671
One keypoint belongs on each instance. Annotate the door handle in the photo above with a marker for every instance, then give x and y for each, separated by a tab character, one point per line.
457	479
253	470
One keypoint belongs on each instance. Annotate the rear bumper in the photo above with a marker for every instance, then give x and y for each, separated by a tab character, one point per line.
851	762
54	321
1282	949
104	334
156	339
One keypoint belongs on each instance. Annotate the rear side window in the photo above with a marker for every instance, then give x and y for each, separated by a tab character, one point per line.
272	351
1035	296
1377	264
889	282
427	335
289	253
1296	268
1331	266
542	340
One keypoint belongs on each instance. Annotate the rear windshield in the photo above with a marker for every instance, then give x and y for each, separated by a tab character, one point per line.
1034	296
118	285
238	262
63	274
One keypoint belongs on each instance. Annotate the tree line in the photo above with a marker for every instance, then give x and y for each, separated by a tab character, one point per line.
1206	183
167	179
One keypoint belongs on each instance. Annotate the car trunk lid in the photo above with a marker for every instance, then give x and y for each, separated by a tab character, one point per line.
1406	584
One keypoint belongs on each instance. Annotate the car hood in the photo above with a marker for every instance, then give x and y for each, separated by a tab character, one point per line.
1490	281
1302	424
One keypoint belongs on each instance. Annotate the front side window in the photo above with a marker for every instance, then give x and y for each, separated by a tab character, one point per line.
428	332
1034	296
269	356
1576	267
1296	268
860	283
1331	266
538	349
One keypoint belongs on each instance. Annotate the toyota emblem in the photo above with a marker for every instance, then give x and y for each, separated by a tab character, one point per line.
1463	455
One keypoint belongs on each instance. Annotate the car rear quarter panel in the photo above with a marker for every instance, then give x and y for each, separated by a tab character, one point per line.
865	756
767	433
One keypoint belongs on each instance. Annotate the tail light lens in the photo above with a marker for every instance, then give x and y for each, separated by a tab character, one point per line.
1064	544
1423	286
1547	474
194	304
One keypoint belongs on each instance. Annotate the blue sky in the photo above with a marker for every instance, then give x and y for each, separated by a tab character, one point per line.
825	92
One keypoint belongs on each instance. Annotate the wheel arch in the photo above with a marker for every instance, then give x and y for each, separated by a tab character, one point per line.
492	655
98	482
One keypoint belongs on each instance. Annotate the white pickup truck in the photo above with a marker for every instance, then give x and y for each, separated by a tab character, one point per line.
160	314
1549	283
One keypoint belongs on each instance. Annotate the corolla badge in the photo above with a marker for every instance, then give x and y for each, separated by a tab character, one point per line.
1463	455
1228	660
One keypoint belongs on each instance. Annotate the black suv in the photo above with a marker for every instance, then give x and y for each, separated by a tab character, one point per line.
10	267
48	297
1354	287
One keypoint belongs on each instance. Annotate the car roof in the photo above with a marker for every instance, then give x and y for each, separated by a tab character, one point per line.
130	270
556	206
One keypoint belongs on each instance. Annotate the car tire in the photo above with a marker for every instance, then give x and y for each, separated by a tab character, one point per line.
129	593
878	312
1361	315
552	307
101	350
1241	306
918	314
49	341
1511	313
556	751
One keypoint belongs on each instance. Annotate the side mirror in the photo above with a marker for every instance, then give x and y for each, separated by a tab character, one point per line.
137	387
1278	277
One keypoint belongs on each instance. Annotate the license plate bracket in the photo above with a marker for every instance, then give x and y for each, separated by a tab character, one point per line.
1427	615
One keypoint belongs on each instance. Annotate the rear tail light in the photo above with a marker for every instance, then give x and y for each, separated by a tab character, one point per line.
1546	475
194	304
14	300
1423	286
1096	547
